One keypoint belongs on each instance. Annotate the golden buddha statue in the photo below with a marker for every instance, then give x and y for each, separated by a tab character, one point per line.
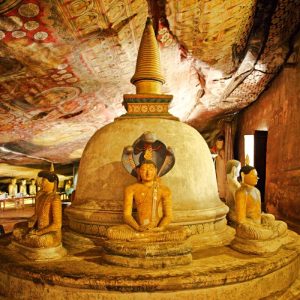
148	195
43	230
147	159
256	232
147	211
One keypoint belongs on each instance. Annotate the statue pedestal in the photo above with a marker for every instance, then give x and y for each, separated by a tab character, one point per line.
262	247
261	239
147	250
39	254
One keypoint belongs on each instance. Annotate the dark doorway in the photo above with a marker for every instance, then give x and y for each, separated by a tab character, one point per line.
260	155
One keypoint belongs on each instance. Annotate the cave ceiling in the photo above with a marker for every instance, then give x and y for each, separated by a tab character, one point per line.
65	65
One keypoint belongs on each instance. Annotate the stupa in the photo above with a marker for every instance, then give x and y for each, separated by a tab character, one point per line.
102	179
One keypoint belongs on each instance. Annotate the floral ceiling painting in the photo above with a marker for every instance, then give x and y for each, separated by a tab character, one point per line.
65	65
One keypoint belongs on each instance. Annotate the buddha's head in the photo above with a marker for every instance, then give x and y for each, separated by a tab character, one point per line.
23	181
33	181
220	142
13	181
248	174
148	171
233	168
48	181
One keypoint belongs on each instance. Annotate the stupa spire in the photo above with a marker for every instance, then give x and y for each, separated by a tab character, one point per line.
148	102
148	77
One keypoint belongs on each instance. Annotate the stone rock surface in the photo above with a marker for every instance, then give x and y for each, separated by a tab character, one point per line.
277	112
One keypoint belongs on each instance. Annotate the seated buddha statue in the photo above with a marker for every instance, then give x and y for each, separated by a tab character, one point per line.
147	211
43	230
13	188
256	232
148	197
32	187
23	188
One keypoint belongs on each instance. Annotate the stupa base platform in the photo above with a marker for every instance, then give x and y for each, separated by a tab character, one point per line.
217	273
262	247
203	234
39	254
156	262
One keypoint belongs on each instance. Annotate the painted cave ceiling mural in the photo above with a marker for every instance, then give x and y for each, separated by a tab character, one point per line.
65	65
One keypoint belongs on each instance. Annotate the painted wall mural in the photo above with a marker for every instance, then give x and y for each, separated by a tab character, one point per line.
52	69
65	65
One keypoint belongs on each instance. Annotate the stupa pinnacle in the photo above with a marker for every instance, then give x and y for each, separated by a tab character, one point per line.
148	77
148	101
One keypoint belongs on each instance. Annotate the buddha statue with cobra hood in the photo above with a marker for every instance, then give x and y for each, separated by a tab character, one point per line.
147	211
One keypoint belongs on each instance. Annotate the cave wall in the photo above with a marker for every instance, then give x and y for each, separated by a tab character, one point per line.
278	111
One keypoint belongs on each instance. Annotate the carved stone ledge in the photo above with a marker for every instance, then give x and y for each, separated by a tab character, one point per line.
39	254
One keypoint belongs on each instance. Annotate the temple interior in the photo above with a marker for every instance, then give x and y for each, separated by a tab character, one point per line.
148	149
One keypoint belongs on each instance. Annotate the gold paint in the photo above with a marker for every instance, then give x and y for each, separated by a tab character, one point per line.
148	77
149	108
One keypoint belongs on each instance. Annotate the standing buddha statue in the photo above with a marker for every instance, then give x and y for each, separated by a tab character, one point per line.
220	167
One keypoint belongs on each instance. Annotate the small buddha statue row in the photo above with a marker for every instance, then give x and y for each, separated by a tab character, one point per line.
14	190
